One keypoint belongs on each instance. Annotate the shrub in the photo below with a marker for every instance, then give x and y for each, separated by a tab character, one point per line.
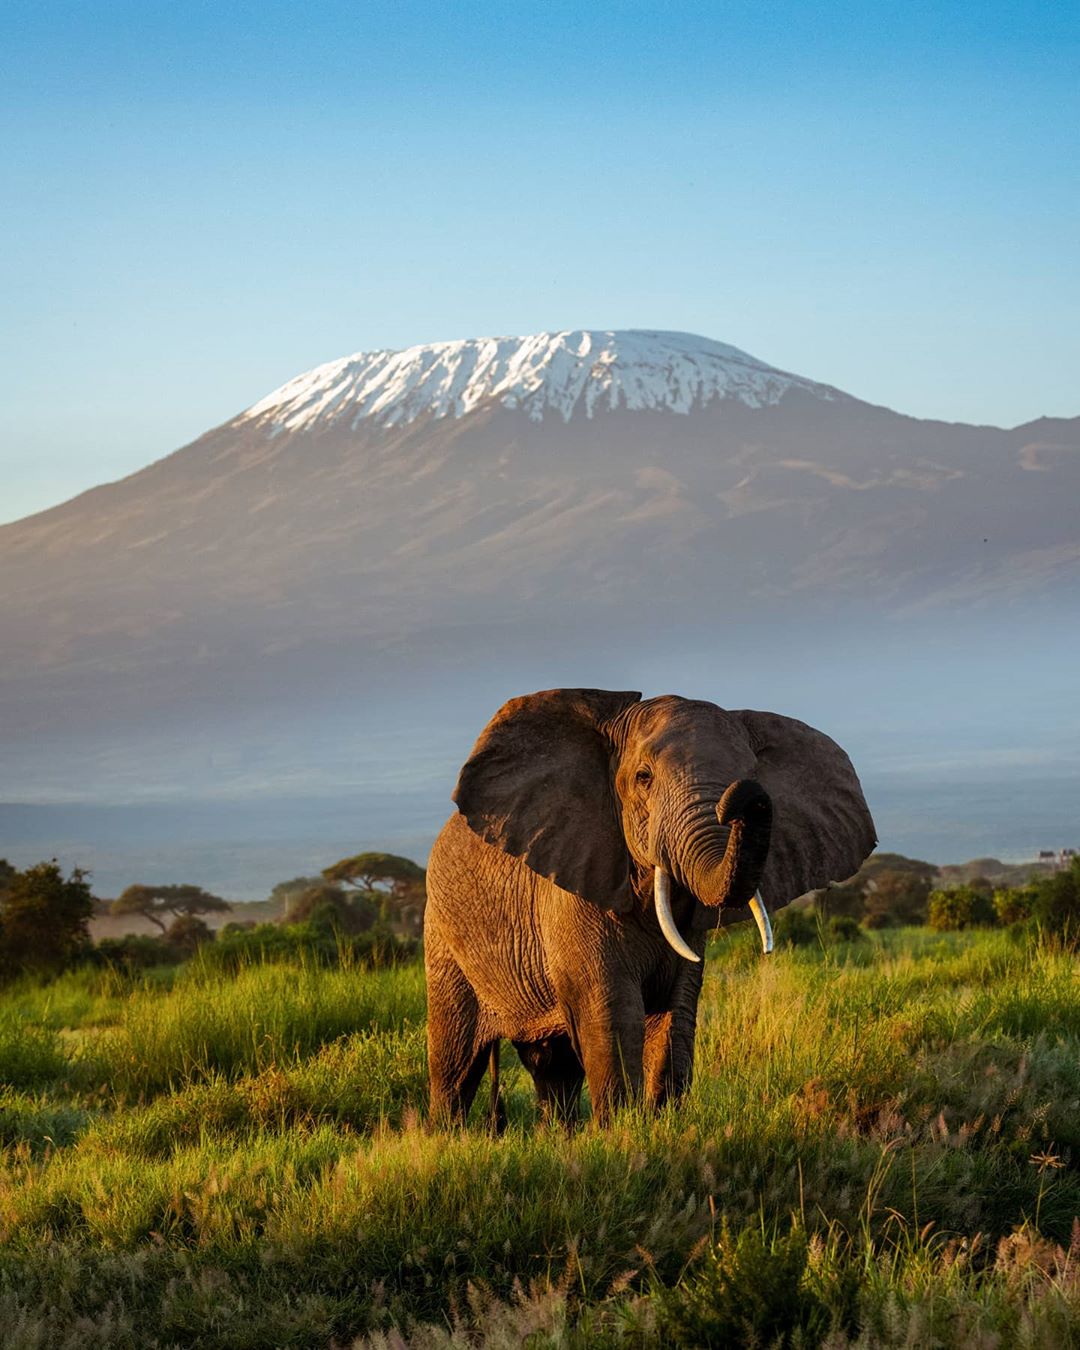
894	898
44	919
809	928
378	949
796	928
374	949
960	907
1056	904
328	907
186	934
1047	909
237	947
749	1290
843	928
844	900
1014	905
133	951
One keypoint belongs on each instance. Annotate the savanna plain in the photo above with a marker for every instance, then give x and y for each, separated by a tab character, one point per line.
879	1149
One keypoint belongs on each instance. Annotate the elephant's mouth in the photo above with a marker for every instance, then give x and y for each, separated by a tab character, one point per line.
721	863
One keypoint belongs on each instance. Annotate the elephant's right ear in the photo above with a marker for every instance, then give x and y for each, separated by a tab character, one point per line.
538	785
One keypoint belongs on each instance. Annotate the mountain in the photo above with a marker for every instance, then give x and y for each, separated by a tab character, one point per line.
551	373
467	509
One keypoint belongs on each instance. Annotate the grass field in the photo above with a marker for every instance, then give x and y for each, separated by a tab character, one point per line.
880	1148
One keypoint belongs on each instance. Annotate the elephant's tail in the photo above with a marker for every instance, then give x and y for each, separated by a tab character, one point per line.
497	1110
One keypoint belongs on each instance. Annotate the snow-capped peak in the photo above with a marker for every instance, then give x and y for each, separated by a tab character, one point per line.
589	370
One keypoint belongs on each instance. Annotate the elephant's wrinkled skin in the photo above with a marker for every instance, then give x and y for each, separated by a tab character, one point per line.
541	923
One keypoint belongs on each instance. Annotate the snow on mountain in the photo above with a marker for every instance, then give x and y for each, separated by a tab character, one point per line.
635	370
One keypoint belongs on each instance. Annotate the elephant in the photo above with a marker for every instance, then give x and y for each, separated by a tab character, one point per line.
597	837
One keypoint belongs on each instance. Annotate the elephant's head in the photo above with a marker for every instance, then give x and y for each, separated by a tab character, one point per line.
609	795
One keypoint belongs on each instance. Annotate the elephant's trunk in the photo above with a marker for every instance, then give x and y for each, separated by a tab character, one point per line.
720	855
746	812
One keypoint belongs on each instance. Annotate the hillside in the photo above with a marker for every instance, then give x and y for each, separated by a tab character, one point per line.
431	509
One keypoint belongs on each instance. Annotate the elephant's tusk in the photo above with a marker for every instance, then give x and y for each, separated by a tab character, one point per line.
662	896
761	917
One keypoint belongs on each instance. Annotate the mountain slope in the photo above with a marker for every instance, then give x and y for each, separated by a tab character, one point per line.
434	501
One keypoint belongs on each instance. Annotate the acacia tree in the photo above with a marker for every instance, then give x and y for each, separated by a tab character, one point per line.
44	917
395	883
153	901
375	871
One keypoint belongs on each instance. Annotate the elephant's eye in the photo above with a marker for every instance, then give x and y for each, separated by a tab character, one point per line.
644	777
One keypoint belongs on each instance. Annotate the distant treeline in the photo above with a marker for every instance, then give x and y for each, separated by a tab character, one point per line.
363	910
892	891
368	910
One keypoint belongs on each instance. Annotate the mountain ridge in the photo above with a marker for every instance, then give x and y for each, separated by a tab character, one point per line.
295	559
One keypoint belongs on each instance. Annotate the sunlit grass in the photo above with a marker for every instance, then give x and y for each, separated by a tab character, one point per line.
232	1024
243	1159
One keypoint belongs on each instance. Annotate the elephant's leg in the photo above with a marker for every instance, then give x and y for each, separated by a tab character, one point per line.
458	1047
669	1041
658	1067
557	1073
610	1041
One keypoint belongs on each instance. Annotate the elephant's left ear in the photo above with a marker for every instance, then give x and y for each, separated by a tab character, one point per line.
538	786
822	828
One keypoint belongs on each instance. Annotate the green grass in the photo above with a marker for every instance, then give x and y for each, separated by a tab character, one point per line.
887	1134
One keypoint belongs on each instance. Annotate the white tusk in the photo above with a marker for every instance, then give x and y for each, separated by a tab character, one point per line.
662	896
761	917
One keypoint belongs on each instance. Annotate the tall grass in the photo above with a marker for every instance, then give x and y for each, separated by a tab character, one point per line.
227	1025
886	1130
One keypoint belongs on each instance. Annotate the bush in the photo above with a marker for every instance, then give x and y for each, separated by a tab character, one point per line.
375	949
809	928
378	949
960	907
137	951
1047	908
1014	905
44	919
133	951
186	934
844	900
796	928
843	928
1056	904
327	905
895	898
236	947
748	1291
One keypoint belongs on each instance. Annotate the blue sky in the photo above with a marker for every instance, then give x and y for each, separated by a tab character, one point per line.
203	199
